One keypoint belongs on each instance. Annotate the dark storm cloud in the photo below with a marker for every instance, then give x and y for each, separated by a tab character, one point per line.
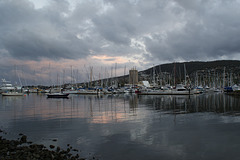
32	46
161	30
117	25
27	33
210	30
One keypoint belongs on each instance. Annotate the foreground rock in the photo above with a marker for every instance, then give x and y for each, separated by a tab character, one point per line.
21	149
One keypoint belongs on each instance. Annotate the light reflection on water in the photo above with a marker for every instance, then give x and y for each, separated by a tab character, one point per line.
130	126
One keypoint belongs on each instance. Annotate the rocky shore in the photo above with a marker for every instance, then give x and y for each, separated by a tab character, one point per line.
21	149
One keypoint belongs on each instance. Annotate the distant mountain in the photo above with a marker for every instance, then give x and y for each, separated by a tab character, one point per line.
211	68
206	72
194	66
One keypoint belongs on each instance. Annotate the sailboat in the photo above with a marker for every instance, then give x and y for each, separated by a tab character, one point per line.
58	94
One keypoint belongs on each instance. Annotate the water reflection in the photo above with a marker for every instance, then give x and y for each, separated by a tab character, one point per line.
131	126
219	103
114	108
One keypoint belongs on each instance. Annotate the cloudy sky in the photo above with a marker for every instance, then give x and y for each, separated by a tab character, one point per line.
42	39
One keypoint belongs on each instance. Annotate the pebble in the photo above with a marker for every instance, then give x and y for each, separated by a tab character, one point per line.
21	149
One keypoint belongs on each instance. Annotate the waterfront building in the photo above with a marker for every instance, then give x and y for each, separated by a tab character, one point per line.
133	76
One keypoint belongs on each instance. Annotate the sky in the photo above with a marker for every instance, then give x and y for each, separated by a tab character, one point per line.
52	41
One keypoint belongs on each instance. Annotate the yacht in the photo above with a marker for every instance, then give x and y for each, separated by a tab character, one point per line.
6	86
181	90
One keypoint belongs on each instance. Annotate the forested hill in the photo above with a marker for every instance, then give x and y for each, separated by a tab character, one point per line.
204	70
192	67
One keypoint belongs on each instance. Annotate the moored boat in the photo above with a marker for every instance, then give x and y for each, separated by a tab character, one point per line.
228	89
93	91
57	95
70	91
12	94
153	92
181	90
6	86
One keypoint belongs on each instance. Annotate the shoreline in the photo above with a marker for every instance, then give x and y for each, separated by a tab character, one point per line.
22	149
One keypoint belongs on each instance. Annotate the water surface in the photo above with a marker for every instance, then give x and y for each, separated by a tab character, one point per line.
128	126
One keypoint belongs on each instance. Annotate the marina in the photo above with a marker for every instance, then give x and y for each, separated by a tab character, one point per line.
119	80
128	126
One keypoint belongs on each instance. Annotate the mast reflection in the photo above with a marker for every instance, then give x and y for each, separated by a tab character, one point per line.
218	103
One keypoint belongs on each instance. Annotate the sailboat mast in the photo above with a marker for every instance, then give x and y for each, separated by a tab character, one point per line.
175	74
124	75
223	77
160	76
185	81
63	77
91	76
71	75
115	75
153	76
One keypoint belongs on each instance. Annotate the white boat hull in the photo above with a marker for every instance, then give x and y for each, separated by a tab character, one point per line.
12	94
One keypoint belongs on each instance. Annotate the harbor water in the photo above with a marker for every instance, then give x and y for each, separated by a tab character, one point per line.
126	127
